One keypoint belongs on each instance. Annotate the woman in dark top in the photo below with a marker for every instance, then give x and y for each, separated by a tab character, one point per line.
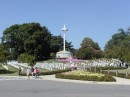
20	71
32	70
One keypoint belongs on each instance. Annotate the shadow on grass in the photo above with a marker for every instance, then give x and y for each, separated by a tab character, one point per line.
6	72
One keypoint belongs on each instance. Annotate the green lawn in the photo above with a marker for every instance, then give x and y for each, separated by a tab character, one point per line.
120	70
11	72
14	71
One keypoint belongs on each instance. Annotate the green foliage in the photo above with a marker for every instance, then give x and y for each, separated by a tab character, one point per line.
88	78
89	50
4	54
28	38
85	53
118	46
11	71
25	58
56	43
32	39
116	39
108	78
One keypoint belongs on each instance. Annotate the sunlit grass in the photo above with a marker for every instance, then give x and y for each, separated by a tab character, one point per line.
83	73
120	70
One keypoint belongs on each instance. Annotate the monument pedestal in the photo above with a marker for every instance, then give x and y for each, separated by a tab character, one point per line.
63	55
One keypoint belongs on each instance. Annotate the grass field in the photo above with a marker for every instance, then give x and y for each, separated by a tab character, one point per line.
14	71
120	70
11	72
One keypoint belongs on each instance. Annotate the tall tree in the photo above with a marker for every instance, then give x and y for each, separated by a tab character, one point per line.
4	54
116	39
118	46
89	49
30	38
56	43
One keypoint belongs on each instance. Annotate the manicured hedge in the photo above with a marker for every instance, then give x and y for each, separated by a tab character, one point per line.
106	78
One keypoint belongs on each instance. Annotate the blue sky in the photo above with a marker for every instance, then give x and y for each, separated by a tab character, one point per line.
96	19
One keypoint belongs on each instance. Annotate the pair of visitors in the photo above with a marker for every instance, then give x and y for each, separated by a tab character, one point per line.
36	72
33	71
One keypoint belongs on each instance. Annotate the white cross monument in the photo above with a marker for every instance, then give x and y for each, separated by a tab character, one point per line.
64	54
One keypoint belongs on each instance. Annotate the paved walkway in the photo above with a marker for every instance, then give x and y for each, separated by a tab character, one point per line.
11	78
119	81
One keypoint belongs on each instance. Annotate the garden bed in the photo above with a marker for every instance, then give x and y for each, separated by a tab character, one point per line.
84	75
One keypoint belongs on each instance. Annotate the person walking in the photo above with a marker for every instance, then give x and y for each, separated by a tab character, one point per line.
19	71
28	72
36	72
32	71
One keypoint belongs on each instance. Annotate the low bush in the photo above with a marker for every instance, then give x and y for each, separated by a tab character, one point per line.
105	78
108	78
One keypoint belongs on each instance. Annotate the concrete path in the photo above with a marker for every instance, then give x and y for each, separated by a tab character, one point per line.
119	81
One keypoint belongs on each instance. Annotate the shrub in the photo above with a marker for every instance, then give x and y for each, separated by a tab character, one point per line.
108	78
85	77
